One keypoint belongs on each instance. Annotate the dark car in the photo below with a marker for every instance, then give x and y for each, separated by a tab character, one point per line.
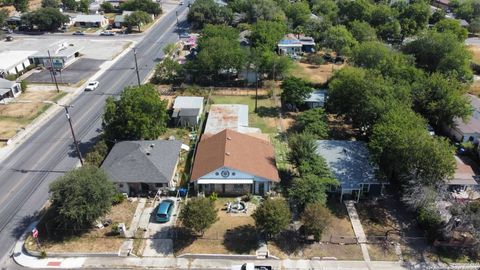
107	33
9	38
78	33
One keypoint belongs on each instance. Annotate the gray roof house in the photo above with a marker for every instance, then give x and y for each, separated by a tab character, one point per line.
316	99
9	89
187	111
90	20
467	130
350	165
138	167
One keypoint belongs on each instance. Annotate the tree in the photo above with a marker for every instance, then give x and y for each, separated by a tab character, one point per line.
442	52
83	6
437	16
168	71
137	18
272	216
467	10
295	91
269	62
474	26
80	197
390	32
313	121
3	17
97	154
198	215
107	7
20	5
362	31
266	34
381	14
298	13
44	19
413	17
452	26
316	27
49	3
71	5
316	218
208	12
441	99
326	9
363	96
147	6
360	10
267	10
138	114
339	39
304	156
310	189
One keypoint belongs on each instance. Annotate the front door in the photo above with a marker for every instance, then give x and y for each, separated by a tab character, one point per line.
261	189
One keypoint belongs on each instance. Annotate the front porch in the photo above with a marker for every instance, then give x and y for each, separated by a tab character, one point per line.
232	187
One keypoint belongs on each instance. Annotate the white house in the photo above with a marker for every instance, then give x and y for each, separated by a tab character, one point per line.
233	163
467	130
187	111
83	20
9	89
14	62
62	56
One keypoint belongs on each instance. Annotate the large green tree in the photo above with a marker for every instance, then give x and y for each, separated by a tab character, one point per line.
360	10
208	12
138	114
272	216
313	121
267	10
310	188
295	91
327	9
298	13
50	3
452	26
199	214
72	5
441	52
147	6
362	31
316	218
413	16
266	34
137	18
339	39
80	197
46	19
168	71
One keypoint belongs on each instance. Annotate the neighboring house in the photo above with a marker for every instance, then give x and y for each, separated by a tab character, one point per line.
9	89
464	182
350	165
232	163
119	21
14	62
90	21
470	130
316	99
294	44
464	23
61	56
444	4
139	167
187	111
228	116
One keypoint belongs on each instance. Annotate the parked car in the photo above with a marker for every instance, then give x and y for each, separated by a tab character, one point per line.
78	33
109	27
9	38
251	266
164	211
184	34
91	86
107	33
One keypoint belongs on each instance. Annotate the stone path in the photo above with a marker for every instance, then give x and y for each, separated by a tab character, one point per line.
358	229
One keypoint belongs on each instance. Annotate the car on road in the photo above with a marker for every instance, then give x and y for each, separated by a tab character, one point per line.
107	33
78	33
251	266
91	86
9	38
164	211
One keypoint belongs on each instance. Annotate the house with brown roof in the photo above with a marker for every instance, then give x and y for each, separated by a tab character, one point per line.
233	163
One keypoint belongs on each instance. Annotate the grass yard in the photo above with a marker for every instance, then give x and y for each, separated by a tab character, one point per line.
95	240
266	117
318	74
475	88
379	253
28	106
231	234
476	53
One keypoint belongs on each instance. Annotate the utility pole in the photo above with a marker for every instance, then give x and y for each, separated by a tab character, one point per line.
53	71
176	14
67	114
136	65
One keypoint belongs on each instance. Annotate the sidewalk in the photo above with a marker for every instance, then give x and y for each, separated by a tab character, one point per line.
358	229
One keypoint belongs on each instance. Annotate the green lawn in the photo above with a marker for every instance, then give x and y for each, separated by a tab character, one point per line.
265	118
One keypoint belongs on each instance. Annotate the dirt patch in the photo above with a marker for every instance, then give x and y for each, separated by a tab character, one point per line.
9	128
319	74
93	240
475	88
340	129
476	53
382	252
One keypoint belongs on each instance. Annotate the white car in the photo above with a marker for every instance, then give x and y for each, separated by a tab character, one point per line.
91	86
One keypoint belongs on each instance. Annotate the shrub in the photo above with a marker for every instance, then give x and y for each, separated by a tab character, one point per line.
316	59
24	85
118	198
43	254
213	197
198	215
430	220
114	229
272	216
248	197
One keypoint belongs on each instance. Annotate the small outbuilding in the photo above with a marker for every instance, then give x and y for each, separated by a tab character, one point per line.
316	99
350	164
187	111
142	167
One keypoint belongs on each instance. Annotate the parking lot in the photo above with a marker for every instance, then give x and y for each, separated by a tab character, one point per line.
79	71
159	239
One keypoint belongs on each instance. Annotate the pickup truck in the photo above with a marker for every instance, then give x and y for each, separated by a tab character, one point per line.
250	266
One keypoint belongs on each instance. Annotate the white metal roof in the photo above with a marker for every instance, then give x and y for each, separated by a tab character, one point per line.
89	18
228	116
188	103
10	59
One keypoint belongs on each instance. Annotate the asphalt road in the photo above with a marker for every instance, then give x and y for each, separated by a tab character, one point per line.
49	152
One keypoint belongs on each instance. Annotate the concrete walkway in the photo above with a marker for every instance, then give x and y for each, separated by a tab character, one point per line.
358	229
136	218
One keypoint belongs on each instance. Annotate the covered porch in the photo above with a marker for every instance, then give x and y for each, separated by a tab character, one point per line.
232	186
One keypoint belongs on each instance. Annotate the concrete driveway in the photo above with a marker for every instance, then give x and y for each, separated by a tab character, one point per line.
78	71
159	235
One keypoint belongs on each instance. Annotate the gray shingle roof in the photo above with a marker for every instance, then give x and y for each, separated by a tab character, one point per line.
6	84
129	161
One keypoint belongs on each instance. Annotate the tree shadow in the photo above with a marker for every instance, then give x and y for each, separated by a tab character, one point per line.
263	111
83	146
241	240
22	225
182	238
336	207
290	242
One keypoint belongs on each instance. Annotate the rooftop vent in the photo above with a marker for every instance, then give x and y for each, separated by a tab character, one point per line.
147	153
229	138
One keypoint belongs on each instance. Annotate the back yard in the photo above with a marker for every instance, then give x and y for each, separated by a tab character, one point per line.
318	74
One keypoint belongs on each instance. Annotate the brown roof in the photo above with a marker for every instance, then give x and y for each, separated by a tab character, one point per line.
237	151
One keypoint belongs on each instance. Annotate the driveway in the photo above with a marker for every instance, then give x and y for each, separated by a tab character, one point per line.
78	71
159	235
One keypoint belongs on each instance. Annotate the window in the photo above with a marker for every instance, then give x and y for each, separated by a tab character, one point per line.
158	185
365	188
120	185
216	173
233	173
238	187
